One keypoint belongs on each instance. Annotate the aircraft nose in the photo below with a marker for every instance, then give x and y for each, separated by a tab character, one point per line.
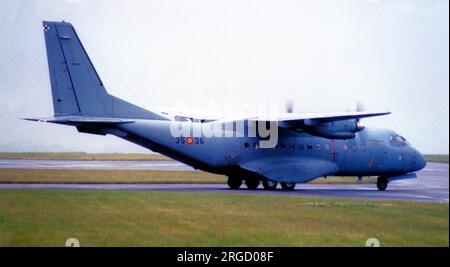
419	161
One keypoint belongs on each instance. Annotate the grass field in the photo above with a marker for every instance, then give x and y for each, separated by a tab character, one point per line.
129	176
118	218
82	156
442	158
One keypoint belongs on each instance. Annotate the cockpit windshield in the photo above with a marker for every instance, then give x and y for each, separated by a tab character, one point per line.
398	140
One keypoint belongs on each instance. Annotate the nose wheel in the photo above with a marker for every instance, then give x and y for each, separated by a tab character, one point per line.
382	183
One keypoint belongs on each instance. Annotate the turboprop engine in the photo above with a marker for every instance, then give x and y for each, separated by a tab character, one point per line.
344	129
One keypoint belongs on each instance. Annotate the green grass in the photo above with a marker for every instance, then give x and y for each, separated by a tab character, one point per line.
128	176
120	218
106	176
82	156
440	158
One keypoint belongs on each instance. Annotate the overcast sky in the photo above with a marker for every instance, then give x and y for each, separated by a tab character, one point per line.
324	55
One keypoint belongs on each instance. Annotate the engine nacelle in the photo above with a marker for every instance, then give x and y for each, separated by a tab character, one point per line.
344	129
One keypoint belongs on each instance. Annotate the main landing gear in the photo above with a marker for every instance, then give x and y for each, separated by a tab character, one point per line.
288	186
269	184
382	183
253	183
234	183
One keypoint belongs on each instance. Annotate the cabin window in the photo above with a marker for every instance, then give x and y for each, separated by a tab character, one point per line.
344	147
327	147
318	146
309	146
246	145
301	146
255	146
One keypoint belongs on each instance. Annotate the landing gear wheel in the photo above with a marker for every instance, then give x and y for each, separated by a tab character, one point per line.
252	183
288	186
234	183
269	184
382	183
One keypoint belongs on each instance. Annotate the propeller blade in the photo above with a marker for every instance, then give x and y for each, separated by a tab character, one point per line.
360	106
290	106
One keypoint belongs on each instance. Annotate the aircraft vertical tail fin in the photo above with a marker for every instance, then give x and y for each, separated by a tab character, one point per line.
76	86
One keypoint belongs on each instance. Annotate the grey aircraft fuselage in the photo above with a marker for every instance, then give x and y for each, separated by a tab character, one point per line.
308	145
370	153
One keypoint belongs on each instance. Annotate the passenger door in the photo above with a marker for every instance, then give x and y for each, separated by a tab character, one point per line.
376	150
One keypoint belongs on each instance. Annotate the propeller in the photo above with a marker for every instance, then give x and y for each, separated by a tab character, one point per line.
359	107
290	106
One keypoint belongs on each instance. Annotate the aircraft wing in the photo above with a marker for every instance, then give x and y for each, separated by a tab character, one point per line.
318	117
288	169
193	114
288	118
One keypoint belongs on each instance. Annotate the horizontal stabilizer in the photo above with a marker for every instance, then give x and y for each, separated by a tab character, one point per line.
78	120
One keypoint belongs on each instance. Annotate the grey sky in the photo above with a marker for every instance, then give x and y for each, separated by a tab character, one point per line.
325	55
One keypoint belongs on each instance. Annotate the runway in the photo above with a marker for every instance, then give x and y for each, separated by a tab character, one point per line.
164	165
432	185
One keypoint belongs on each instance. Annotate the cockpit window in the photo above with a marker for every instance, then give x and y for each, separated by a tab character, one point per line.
397	140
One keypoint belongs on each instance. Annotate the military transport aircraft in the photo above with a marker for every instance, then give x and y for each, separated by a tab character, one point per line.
308	146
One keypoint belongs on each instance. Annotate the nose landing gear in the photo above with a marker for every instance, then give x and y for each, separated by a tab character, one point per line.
382	183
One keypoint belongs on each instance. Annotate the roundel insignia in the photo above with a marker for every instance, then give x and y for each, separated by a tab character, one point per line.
189	140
